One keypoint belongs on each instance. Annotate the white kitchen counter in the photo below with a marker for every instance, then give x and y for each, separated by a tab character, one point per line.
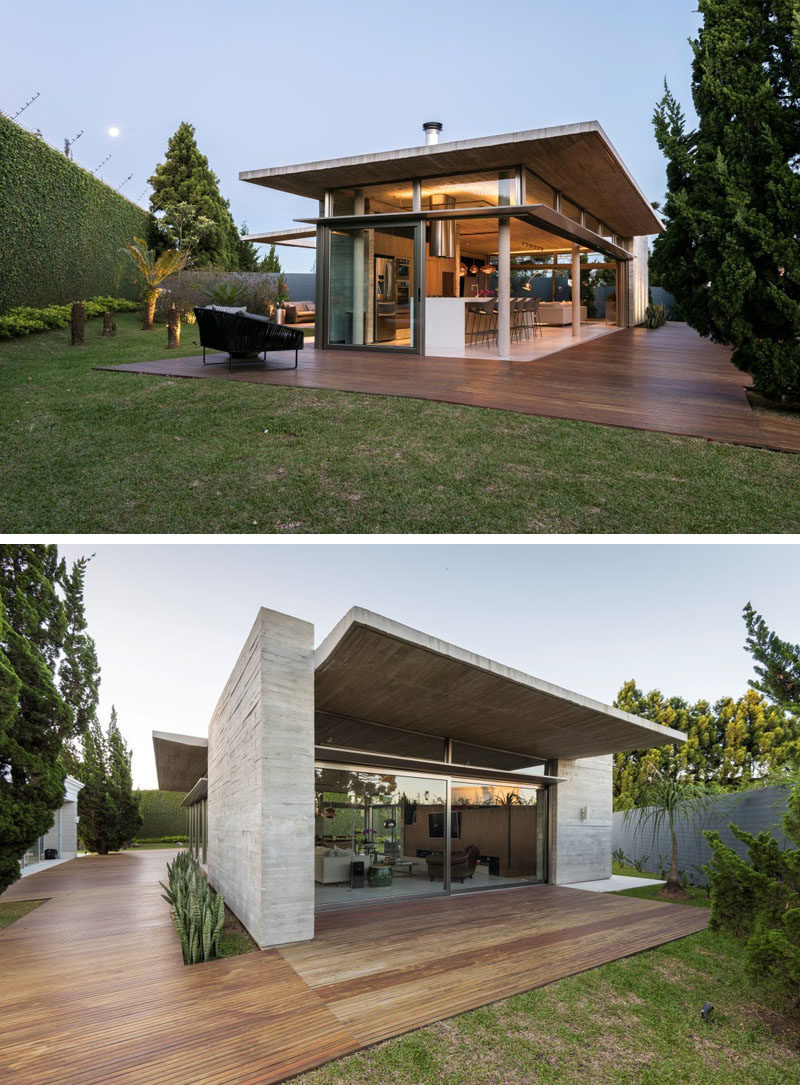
444	323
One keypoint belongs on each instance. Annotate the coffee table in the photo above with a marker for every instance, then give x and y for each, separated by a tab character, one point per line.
402	866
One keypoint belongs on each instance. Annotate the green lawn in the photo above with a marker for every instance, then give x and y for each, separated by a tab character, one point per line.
12	910
631	871
632	1022
85	451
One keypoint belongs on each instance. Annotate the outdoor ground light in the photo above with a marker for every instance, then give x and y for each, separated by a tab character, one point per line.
706	1010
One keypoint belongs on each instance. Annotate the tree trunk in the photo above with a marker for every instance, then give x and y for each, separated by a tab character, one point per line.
173	328
78	324
673	888
109	327
149	309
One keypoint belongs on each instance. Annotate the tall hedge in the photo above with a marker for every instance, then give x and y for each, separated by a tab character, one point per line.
60	228
162	814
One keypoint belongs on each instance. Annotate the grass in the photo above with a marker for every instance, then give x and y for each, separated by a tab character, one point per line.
631	871
154	847
235	940
697	897
631	1022
87	451
12	910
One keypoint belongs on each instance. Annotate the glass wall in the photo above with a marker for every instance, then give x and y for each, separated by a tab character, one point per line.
508	827
491	188
371	288
538	191
373	199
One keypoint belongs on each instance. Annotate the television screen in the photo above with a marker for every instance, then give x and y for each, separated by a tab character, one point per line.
436	825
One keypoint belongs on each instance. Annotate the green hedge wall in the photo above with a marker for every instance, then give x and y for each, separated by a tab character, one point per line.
162	813
60	228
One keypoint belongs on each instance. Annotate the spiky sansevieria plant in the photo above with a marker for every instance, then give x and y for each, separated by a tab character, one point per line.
154	270
197	912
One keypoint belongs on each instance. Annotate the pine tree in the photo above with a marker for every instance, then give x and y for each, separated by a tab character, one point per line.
107	804
125	800
184	177
35	720
271	262
730	252
777	662
248	257
79	672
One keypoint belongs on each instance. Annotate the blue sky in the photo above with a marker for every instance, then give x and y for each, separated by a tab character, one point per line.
269	84
170	620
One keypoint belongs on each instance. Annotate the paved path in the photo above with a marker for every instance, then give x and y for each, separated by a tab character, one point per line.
669	380
95	991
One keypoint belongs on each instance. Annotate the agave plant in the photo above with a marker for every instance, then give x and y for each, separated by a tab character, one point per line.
227	293
154	270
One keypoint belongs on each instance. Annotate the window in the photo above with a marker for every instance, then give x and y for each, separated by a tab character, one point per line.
487	189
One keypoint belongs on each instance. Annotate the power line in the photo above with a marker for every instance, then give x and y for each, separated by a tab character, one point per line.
97	168
23	108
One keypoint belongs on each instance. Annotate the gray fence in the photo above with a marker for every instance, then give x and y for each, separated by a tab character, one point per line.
750	810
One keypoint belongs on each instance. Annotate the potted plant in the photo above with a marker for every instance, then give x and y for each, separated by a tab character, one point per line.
281	297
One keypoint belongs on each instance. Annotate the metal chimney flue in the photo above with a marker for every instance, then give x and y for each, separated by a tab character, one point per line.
432	130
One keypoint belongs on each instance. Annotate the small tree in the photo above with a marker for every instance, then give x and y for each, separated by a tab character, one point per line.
154	270
271	262
758	900
667	800
183	225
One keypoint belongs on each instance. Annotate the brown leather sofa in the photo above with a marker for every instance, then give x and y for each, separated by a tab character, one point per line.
462	863
300	312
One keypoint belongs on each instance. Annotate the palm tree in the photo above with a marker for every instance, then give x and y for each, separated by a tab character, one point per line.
667	800
154	271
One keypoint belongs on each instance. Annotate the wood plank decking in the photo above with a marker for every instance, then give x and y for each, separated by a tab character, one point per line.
669	380
95	991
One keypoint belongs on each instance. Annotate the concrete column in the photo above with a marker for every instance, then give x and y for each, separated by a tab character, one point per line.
580	821
358	273
576	291
504	288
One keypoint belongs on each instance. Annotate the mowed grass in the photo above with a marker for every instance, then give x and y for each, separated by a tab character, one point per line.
632	1022
88	451
12	910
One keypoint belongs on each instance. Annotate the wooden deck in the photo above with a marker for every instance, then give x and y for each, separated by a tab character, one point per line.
95	991
669	380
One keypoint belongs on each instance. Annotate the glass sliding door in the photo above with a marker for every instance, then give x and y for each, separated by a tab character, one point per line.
372	288
378	836
501	835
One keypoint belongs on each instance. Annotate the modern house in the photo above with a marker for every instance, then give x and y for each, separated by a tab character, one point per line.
388	765
61	840
408	241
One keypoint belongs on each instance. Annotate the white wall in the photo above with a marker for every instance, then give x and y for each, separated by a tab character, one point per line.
261	783
638	282
581	847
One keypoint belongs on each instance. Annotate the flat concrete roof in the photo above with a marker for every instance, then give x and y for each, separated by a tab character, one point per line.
578	160
297	238
181	760
371	668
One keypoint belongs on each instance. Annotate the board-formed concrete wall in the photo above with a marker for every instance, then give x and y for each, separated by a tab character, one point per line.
638	282
261	783
581	847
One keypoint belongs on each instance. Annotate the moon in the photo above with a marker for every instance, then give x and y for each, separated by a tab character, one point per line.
113	131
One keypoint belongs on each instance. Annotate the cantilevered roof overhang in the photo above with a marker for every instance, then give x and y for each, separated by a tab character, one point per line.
181	760
538	215
579	160
373	669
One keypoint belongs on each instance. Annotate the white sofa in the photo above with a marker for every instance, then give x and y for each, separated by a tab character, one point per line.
332	865
559	312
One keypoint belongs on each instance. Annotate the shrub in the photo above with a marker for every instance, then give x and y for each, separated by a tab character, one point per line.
197	912
655	316
26	320
758	900
231	293
163	817
181	839
257	291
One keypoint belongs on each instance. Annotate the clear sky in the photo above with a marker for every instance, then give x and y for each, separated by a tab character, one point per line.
269	84
170	620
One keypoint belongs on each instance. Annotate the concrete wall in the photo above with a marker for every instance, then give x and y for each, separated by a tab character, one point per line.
63	836
750	810
638	282
581	847
261	783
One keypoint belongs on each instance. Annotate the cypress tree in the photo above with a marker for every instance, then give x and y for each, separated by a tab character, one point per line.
184	177
271	261
107	804
35	720
777	662
730	252
248	257
79	672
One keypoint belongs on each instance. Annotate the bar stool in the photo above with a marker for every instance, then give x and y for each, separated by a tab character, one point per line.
489	315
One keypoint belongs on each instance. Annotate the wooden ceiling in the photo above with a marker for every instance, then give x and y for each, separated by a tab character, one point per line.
373	669
578	160
181	760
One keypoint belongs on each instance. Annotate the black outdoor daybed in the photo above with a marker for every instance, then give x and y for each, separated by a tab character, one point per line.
244	336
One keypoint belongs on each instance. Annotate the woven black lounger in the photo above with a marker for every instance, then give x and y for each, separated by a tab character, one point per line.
244	336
